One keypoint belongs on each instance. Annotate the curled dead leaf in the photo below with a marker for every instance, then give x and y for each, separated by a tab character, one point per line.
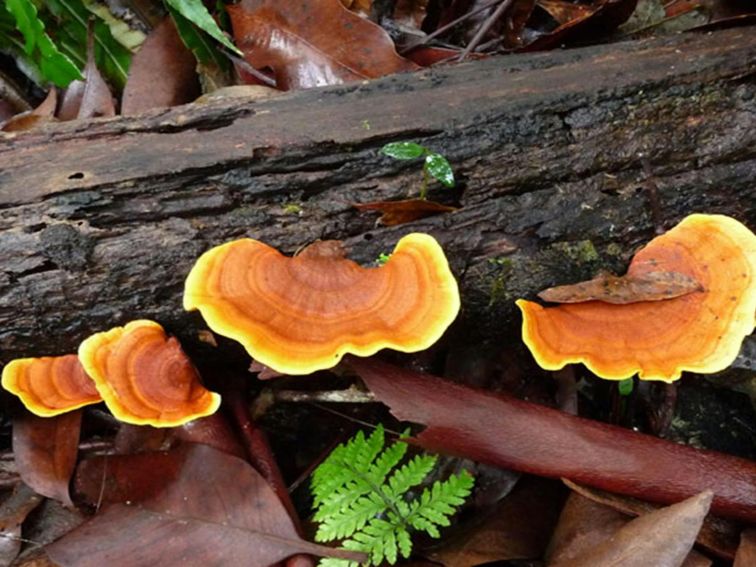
651	286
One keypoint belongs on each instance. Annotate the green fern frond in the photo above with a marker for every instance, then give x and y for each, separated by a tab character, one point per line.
434	506
361	497
411	474
337	471
347	521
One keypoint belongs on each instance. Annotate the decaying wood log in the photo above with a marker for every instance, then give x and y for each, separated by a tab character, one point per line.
100	221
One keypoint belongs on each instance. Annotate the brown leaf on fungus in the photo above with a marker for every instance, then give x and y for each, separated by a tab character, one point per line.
45	450
311	44
401	212
651	286
161	74
512	433
218	511
662	538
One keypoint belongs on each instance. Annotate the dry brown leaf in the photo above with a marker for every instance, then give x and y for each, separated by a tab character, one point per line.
662	538
400	212
717	536
162	73
652	286
585	524
96	98
313	43
45	450
88	98
564	12
746	555
216	511
13	512
43	114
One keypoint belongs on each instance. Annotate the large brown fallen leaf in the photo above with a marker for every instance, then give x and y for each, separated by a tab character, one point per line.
589	533
718	536
662	538
45	450
313	43
218	511
511	433
115	479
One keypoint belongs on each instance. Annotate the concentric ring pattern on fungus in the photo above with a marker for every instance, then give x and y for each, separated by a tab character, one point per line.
302	314
698	332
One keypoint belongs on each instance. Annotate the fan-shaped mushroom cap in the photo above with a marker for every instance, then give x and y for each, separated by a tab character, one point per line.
50	385
144	376
302	314
698	332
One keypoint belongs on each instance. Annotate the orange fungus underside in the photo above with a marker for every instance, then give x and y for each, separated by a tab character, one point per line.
699	332
50	385
302	314
144	376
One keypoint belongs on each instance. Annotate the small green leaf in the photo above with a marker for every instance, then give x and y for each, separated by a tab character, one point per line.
404	150
625	387
53	65
195	11
440	168
213	66
382	258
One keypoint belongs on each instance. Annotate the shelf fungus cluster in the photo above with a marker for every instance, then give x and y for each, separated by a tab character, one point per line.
301	314
141	374
698	326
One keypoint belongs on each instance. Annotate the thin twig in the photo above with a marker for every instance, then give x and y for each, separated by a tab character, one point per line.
446	27
490	21
251	70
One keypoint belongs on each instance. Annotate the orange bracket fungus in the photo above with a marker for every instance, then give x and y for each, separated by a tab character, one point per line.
302	314
50	385
700	331
144	377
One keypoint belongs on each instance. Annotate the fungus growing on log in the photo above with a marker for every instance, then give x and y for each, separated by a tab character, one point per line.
699	332
302	314
50	385
144	377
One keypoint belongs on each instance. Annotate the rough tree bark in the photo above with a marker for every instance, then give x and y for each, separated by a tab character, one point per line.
100	221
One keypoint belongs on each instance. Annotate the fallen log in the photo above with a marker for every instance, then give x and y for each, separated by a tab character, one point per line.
565	160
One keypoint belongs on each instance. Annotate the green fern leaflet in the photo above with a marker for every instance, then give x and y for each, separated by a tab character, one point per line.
363	496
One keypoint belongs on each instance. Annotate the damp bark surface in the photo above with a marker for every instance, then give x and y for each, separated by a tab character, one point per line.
557	155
